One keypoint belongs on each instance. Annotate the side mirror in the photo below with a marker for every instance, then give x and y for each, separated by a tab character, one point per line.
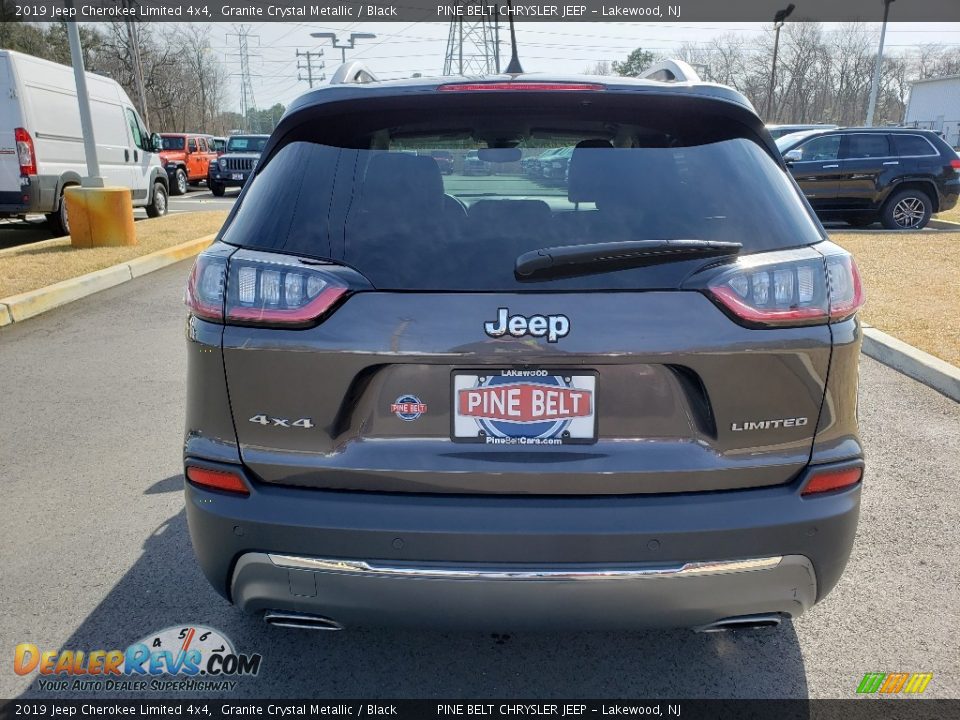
156	142
793	156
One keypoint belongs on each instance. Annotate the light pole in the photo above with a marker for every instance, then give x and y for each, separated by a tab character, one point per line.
875	85
778	20
345	46
93	178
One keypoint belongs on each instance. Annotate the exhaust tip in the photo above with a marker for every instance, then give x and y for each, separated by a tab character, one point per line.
300	621
742	622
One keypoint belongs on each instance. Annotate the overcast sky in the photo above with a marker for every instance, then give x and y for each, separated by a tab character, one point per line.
402	49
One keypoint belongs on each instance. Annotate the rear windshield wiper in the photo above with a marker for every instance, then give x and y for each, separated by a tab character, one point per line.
573	260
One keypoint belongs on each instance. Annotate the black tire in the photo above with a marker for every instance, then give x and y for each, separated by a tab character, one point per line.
908	209
216	188
860	221
180	183
58	221
158	206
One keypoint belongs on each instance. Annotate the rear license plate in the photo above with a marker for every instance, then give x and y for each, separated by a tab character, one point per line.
524	407
237	176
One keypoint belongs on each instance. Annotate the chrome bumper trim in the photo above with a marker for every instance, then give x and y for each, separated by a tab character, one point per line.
361	567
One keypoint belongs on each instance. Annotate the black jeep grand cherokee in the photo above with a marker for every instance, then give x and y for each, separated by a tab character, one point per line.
899	176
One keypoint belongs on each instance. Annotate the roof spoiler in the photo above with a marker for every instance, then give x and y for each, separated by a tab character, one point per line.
670	71
353	72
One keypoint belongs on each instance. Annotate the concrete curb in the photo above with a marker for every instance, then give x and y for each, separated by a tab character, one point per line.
18	308
912	362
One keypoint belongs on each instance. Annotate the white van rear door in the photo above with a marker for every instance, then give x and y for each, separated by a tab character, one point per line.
11	117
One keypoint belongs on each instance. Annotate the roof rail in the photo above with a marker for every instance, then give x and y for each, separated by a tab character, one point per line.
354	72
667	70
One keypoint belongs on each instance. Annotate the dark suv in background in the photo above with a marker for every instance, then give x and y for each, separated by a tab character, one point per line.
236	163
419	399
898	176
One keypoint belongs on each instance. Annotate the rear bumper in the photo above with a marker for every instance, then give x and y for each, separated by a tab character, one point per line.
225	177
950	194
434	539
37	194
600	596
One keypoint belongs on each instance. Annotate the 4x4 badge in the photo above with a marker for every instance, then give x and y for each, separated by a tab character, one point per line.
553	327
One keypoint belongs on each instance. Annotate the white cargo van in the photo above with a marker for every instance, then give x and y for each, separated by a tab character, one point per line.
41	141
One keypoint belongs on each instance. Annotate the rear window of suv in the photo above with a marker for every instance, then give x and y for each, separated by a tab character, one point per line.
369	194
913	146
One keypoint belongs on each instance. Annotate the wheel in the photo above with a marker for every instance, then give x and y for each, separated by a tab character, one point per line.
158	206
216	188
860	221
180	183
58	221
907	210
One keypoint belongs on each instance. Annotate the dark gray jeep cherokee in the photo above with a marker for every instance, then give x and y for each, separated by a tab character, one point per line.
626	400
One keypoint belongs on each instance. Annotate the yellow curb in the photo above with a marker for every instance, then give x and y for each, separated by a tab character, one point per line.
161	258
17	308
28	304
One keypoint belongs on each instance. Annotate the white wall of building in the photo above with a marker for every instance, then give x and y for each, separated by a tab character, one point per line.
935	105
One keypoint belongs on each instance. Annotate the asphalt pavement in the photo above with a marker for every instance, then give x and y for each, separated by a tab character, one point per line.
96	553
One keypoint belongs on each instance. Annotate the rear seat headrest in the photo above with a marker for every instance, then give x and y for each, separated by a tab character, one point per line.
403	178
588	174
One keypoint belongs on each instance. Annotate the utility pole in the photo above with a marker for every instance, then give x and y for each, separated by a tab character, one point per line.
247	102
310	56
349	45
778	19
473	46
133	41
875	85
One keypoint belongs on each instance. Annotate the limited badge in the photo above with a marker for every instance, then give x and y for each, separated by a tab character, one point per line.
408	407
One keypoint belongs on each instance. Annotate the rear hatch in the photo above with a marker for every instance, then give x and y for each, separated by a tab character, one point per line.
381	336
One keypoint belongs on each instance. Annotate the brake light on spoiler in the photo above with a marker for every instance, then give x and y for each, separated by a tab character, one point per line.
520	87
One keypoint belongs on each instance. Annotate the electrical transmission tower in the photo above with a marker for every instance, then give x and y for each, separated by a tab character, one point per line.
312	76
247	102
473	46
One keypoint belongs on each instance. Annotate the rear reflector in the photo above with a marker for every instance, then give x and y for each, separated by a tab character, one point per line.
829	480
217	480
520	86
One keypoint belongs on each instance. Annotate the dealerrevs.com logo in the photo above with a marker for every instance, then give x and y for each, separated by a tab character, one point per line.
894	683
179	658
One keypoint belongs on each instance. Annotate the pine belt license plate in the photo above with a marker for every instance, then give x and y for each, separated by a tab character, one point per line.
525	407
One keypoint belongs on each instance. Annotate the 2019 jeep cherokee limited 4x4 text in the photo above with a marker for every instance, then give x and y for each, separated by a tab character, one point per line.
624	399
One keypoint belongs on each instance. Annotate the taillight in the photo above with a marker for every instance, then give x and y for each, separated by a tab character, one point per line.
206	286
520	86
262	289
218	480
25	152
846	288
955	164
828	480
773	291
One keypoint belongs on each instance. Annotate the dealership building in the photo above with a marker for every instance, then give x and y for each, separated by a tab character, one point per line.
935	105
